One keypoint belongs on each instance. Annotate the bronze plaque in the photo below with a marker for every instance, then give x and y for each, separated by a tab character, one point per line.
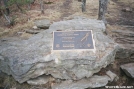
68	40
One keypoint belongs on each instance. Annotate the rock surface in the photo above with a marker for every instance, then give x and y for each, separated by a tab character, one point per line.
28	59
93	82
39	80
128	69
126	40
43	24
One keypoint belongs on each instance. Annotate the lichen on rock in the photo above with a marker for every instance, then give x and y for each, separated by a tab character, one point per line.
27	59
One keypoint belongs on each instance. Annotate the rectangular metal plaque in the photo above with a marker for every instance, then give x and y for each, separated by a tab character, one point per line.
68	40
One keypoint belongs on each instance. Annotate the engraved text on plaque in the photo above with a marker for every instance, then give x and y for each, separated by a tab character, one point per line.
68	40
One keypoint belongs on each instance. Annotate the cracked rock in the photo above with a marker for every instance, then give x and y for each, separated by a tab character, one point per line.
27	59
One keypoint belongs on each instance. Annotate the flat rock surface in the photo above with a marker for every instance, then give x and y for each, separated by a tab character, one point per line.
28	59
39	80
128	69
93	82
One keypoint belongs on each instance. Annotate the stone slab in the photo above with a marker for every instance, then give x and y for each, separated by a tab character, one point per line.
93	82
128	69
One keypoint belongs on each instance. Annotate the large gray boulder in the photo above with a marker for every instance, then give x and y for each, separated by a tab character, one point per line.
28	59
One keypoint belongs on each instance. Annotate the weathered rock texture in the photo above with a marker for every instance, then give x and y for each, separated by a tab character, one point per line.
128	69
27	59
93	82
39	80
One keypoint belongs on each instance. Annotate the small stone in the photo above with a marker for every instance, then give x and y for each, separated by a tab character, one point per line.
20	33
35	27
128	69
112	75
43	24
127	9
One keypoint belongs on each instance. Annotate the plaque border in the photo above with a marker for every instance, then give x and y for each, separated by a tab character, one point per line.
74	49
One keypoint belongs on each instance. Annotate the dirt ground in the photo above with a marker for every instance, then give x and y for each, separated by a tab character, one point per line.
120	16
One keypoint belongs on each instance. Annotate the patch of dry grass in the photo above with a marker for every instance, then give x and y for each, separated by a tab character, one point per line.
18	27
127	2
26	20
53	11
56	11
